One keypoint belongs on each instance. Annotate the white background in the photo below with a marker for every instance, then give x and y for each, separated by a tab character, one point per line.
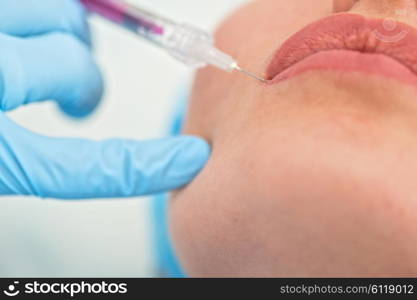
109	237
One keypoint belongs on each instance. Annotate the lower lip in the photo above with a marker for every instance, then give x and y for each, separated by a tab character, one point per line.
350	61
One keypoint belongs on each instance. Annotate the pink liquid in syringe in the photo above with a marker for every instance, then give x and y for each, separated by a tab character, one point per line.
118	12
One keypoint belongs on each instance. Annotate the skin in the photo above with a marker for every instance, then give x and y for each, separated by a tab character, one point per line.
315	176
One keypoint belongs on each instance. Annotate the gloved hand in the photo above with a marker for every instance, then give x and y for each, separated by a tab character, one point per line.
45	55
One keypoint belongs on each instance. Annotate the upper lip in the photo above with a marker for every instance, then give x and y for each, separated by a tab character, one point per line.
348	32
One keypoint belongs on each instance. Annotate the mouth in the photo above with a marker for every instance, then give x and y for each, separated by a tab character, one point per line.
349	43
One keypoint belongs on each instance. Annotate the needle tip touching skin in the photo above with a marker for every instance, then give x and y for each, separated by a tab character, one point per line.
250	74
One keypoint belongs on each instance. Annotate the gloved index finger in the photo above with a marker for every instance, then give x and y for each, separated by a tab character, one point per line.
79	169
24	18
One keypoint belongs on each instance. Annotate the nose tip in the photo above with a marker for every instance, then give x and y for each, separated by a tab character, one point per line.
401	10
343	5
378	5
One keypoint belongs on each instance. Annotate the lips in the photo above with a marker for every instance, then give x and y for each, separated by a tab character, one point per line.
351	43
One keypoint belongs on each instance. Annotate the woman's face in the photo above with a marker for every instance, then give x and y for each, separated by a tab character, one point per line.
312	174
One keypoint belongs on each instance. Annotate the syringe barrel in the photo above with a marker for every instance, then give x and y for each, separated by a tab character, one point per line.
186	43
141	22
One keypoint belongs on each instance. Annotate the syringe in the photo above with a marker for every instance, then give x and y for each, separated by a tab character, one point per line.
186	43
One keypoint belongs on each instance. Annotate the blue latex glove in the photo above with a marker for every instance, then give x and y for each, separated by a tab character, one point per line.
45	55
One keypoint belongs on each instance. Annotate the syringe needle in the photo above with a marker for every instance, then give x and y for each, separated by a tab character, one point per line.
250	74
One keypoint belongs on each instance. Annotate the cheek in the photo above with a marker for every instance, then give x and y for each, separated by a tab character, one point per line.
215	221
208	224
275	213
